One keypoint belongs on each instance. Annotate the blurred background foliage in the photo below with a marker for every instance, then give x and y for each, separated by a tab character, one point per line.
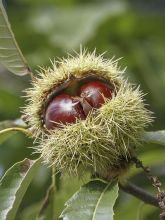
134	30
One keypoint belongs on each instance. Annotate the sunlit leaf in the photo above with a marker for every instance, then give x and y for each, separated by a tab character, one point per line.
13	186
10	54
95	200
156	137
67	188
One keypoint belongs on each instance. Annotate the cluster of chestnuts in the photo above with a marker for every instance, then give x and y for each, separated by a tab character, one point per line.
86	116
65	108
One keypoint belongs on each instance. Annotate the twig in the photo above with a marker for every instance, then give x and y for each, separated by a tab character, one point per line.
156	183
140	193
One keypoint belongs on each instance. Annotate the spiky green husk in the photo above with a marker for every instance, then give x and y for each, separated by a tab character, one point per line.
101	142
61	71
107	137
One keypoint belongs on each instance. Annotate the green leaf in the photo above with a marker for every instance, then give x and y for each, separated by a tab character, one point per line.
30	212
94	201
10	54
13	186
8	132
156	137
67	188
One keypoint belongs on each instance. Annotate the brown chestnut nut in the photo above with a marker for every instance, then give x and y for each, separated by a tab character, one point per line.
63	109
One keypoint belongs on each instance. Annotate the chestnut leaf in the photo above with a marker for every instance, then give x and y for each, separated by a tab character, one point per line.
13	186
95	200
10	54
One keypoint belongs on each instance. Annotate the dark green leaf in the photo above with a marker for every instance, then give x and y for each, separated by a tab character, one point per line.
94	201
47	209
30	212
156	137
10	53
13	186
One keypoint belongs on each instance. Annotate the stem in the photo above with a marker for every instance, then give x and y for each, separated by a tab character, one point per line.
23	130
138	192
53	178
53	185
49	198
31	75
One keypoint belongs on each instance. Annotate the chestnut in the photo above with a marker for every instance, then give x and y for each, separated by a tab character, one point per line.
63	109
95	93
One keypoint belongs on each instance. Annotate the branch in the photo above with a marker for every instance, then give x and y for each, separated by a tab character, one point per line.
140	194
